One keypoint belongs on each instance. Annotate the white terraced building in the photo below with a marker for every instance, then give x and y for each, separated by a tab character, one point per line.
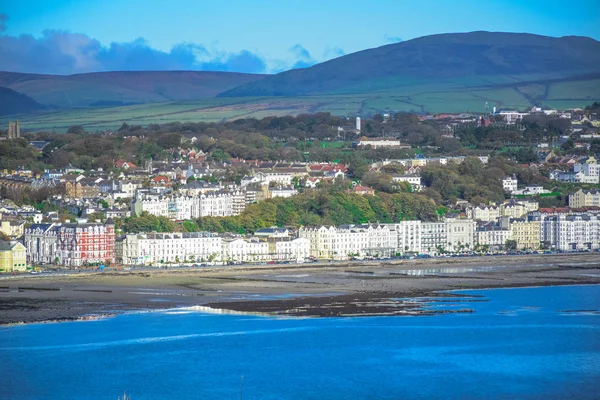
163	248
241	250
350	240
485	213
215	205
289	249
153	204
460	234
433	237
272	249
571	232
182	207
408	235
454	235
495	238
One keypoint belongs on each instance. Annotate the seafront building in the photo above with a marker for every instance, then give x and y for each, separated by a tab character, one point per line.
433	237
163	248
12	256
385	240
204	247
460	234
340	243
71	244
525	233
83	243
41	243
492	236
570	232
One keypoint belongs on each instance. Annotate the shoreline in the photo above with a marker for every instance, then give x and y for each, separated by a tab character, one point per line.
337	289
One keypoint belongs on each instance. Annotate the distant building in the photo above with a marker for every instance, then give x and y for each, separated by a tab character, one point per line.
585	198
377	143
413	180
12	228
362	190
14	130
510	184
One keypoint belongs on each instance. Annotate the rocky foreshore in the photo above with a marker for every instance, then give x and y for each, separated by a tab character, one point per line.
330	289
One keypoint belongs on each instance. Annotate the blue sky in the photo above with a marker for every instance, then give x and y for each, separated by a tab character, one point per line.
70	36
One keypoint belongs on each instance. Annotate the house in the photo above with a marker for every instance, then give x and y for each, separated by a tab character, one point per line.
125	165
283	192
272	232
363	190
160	180
12	257
12	228
510	184
377	143
531	191
413	180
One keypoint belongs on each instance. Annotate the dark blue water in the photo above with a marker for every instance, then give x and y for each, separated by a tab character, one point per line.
522	343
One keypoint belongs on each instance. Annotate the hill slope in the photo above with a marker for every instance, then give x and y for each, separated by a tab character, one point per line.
122	88
457	60
12	102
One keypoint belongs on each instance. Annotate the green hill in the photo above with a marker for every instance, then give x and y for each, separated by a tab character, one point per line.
448	61
122	88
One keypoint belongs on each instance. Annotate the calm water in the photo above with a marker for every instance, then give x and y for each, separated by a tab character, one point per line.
522	343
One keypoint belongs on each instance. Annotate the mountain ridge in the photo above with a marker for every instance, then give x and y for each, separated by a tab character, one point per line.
12	102
127	87
454	56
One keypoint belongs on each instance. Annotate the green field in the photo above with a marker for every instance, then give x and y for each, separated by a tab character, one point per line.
426	98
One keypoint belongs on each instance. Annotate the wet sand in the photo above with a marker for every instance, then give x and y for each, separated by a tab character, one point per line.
328	289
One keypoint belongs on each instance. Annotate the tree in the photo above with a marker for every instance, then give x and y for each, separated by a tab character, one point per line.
76	129
510	244
61	158
169	140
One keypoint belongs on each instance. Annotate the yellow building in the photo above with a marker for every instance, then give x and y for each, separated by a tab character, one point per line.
12	257
517	209
585	198
12	228
526	234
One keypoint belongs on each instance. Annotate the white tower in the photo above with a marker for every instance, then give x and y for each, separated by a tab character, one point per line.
358	124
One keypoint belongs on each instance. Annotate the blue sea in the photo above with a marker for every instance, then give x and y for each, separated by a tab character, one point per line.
530	343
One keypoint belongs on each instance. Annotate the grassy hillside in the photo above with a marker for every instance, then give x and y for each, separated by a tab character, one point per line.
428	99
12	102
460	60
122	88
432	74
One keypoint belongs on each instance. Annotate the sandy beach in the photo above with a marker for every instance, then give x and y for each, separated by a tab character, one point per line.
327	289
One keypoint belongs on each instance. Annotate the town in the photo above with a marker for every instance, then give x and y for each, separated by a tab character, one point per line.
396	185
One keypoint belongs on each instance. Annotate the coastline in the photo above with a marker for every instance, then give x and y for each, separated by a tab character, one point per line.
332	289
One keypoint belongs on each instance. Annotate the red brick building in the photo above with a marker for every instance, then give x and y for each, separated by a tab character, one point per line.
84	244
